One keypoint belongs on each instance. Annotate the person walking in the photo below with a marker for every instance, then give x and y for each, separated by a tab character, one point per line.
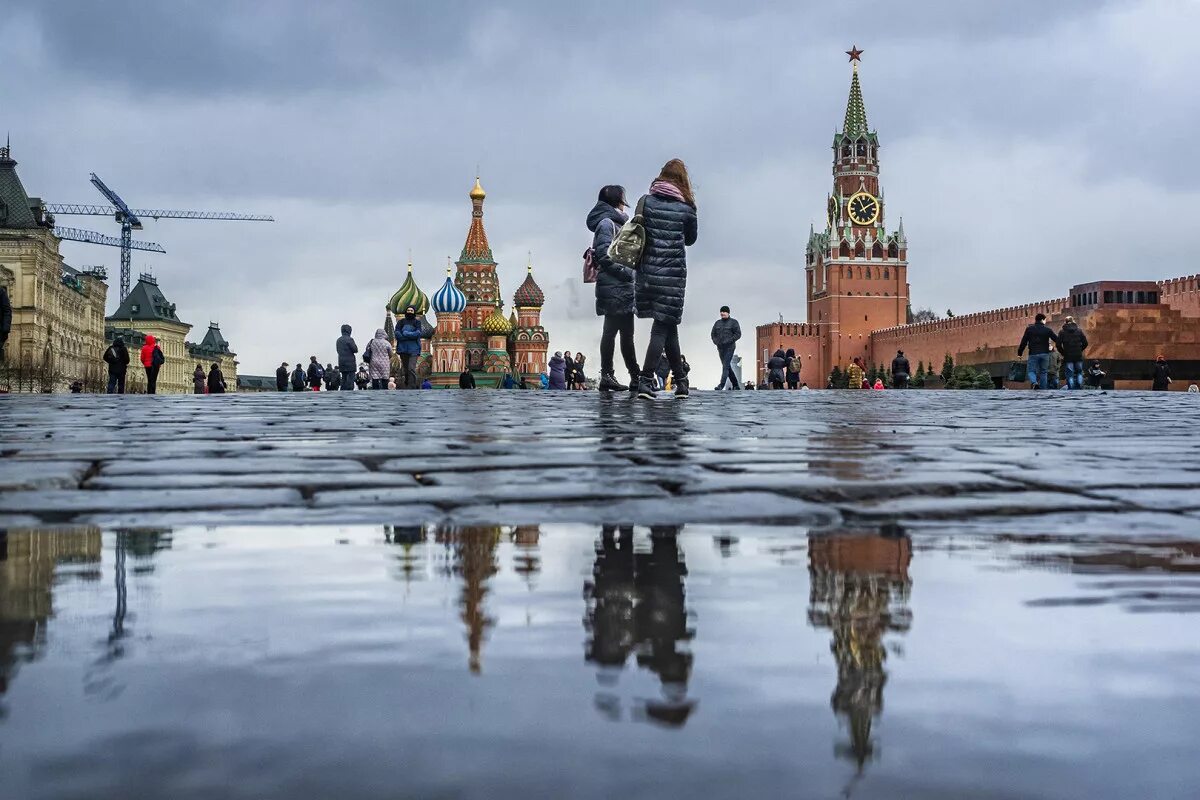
568	370
216	380
117	358
152	361
669	218
199	380
901	370
378	356
332	377
408	346
315	373
1037	338
1071	343
580	378
776	368
281	377
558	371
792	370
346	351
614	289
855	374
1162	374
299	379
466	379
725	334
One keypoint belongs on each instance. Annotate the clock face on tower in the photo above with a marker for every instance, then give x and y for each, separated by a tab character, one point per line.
863	208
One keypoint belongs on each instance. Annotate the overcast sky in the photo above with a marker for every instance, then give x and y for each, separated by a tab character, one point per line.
1028	145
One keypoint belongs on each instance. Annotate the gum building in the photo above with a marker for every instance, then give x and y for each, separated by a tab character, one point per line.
859	305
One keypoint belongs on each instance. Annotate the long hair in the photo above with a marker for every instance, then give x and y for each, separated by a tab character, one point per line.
675	173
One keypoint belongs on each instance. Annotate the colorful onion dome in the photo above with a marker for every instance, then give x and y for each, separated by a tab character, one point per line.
529	294
496	324
409	294
449	299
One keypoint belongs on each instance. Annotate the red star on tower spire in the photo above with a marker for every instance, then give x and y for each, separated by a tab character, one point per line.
854	53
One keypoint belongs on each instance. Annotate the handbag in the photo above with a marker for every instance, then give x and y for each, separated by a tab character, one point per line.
627	245
591	270
1017	371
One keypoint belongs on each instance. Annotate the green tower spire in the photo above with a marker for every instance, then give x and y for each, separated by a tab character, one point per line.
856	111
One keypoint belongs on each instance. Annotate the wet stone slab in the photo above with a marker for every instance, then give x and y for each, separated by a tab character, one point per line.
812	458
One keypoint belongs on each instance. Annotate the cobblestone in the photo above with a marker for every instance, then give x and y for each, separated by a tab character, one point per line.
812	459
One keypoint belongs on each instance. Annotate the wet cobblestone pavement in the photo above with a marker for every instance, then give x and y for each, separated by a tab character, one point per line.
1053	462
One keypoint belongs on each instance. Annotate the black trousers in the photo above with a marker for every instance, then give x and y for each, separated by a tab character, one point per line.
405	372
618	324
664	337
347	380
152	379
727	377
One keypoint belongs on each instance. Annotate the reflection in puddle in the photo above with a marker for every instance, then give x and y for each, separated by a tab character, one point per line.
259	662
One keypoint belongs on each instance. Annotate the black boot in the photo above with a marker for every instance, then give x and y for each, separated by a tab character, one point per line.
681	387
609	383
646	387
634	378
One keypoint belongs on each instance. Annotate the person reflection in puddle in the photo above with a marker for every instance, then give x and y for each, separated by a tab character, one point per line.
636	605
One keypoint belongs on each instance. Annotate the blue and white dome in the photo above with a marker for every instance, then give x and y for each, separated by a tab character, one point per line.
449	299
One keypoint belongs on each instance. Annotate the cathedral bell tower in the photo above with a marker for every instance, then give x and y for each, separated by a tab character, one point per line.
856	272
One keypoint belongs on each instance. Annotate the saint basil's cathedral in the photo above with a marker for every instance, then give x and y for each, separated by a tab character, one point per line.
471	331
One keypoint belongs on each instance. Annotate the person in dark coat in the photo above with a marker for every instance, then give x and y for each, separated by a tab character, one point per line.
725	334
216	381
6	321
614	289
408	346
776	368
333	378
281	377
347	363
1095	375
315	373
198	380
901	370
1037	338
1162	375
1071	343
117	358
558	372
299	379
466	380
792	369
669	216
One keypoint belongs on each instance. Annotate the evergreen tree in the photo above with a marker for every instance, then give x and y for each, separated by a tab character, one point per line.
835	378
872	374
948	368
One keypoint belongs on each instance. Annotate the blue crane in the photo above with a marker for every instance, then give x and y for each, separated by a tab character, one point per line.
130	220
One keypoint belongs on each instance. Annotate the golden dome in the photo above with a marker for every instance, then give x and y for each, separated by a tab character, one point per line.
496	324
477	192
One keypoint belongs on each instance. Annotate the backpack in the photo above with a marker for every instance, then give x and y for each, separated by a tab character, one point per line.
157	358
320	371
627	245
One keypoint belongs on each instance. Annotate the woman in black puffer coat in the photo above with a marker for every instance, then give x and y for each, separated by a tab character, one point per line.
669	215
614	289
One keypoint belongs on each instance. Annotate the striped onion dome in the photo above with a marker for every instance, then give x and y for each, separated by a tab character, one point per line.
496	324
529	294
409	294
449	299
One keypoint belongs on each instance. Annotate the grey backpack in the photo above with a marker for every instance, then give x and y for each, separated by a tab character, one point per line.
627	245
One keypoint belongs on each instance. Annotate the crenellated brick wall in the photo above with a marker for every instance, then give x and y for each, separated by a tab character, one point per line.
1182	294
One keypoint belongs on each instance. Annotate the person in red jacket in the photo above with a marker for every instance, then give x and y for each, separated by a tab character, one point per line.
152	360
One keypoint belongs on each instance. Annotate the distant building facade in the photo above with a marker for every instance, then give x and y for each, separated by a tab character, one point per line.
58	312
856	281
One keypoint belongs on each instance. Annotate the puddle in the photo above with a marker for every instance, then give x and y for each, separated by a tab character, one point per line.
577	661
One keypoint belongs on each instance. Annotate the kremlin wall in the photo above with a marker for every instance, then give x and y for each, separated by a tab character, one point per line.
859	302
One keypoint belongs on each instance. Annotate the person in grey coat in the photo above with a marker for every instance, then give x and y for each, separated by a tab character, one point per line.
614	289
725	334
669	216
379	359
347	363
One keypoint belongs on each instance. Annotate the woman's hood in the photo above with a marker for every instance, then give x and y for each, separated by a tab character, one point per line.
602	211
380	333
346	330
150	340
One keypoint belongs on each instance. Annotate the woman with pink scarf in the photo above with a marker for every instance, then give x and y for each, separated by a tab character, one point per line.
669	216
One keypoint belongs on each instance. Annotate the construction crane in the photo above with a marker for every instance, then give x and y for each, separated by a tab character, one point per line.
130	219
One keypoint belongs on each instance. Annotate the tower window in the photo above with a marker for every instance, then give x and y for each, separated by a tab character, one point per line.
886	274
893	251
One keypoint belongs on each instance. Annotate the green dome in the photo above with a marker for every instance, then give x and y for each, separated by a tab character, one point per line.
409	294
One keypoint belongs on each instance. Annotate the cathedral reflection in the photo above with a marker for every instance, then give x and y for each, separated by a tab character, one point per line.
636	606
859	590
28	565
473	558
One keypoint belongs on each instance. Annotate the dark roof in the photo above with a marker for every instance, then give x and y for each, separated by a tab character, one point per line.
16	209
146	302
213	343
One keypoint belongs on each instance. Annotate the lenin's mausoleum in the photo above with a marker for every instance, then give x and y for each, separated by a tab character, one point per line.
856	279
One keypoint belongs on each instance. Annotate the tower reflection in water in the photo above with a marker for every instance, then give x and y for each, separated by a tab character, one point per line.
859	589
635	606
